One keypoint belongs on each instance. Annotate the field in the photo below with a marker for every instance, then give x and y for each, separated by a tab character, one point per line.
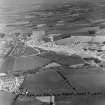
81	18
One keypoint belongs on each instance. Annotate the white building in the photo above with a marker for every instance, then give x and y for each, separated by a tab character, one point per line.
36	38
38	34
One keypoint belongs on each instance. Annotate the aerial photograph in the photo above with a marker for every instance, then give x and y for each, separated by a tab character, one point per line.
52	52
